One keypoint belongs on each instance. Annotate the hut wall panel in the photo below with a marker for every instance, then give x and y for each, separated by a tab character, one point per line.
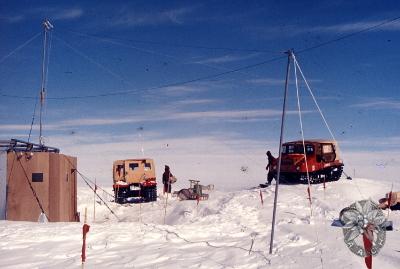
21	202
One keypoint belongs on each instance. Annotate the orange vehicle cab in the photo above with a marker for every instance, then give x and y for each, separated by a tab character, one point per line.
323	161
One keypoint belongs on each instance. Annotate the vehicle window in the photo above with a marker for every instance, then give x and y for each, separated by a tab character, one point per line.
133	166
309	149
297	148
284	149
147	166
291	149
327	148
120	170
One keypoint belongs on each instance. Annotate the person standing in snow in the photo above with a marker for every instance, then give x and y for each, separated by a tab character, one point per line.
166	179
270	167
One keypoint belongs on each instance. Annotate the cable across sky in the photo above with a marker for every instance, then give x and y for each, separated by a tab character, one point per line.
207	77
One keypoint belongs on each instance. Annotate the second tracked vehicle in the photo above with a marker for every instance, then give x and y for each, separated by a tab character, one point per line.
323	161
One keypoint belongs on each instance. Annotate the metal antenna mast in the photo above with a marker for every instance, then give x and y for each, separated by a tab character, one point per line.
290	55
47	26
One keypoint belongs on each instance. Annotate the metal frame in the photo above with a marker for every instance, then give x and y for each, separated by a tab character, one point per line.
23	146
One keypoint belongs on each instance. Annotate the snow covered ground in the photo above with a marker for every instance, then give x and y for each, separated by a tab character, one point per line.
230	230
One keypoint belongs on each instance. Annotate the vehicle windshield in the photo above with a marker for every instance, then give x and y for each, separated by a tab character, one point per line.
297	149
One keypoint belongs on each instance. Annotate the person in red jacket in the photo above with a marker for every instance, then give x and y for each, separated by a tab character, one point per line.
270	167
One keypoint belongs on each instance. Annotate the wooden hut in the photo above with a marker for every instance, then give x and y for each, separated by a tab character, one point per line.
36	179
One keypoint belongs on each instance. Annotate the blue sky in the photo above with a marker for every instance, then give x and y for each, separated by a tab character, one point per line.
114	47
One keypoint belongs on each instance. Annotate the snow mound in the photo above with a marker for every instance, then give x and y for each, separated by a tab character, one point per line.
230	230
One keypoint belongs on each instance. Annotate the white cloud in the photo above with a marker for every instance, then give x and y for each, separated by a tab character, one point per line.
278	82
68	14
12	19
195	101
342	28
180	90
171	16
357	26
56	13
165	115
14	127
226	59
267	81
379	104
162	115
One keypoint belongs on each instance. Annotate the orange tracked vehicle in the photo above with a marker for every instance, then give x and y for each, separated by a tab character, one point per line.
323	161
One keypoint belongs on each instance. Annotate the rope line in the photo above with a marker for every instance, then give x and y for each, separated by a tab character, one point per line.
305	158
19	47
392	20
340	38
171	44
145	89
33	120
302	131
315	101
78	52
87	183
112	41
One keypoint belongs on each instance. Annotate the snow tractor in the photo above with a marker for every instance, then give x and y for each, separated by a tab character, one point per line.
134	181
194	192
323	161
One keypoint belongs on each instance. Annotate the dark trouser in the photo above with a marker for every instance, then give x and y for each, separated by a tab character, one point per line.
271	176
167	188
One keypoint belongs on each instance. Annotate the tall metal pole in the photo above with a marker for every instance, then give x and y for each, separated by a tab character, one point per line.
289	53
47	26
42	90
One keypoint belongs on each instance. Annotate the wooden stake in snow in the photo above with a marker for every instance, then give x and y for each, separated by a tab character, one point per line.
165	206
261	198
94	200
85	230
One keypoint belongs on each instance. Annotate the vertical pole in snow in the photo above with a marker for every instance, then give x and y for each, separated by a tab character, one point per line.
85	219
289	53
83	255
94	200
165	207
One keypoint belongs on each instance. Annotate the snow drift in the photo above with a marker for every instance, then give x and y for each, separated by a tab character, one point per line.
230	230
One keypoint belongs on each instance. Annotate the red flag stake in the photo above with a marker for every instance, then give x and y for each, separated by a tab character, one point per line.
85	230
389	200
368	233
261	198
